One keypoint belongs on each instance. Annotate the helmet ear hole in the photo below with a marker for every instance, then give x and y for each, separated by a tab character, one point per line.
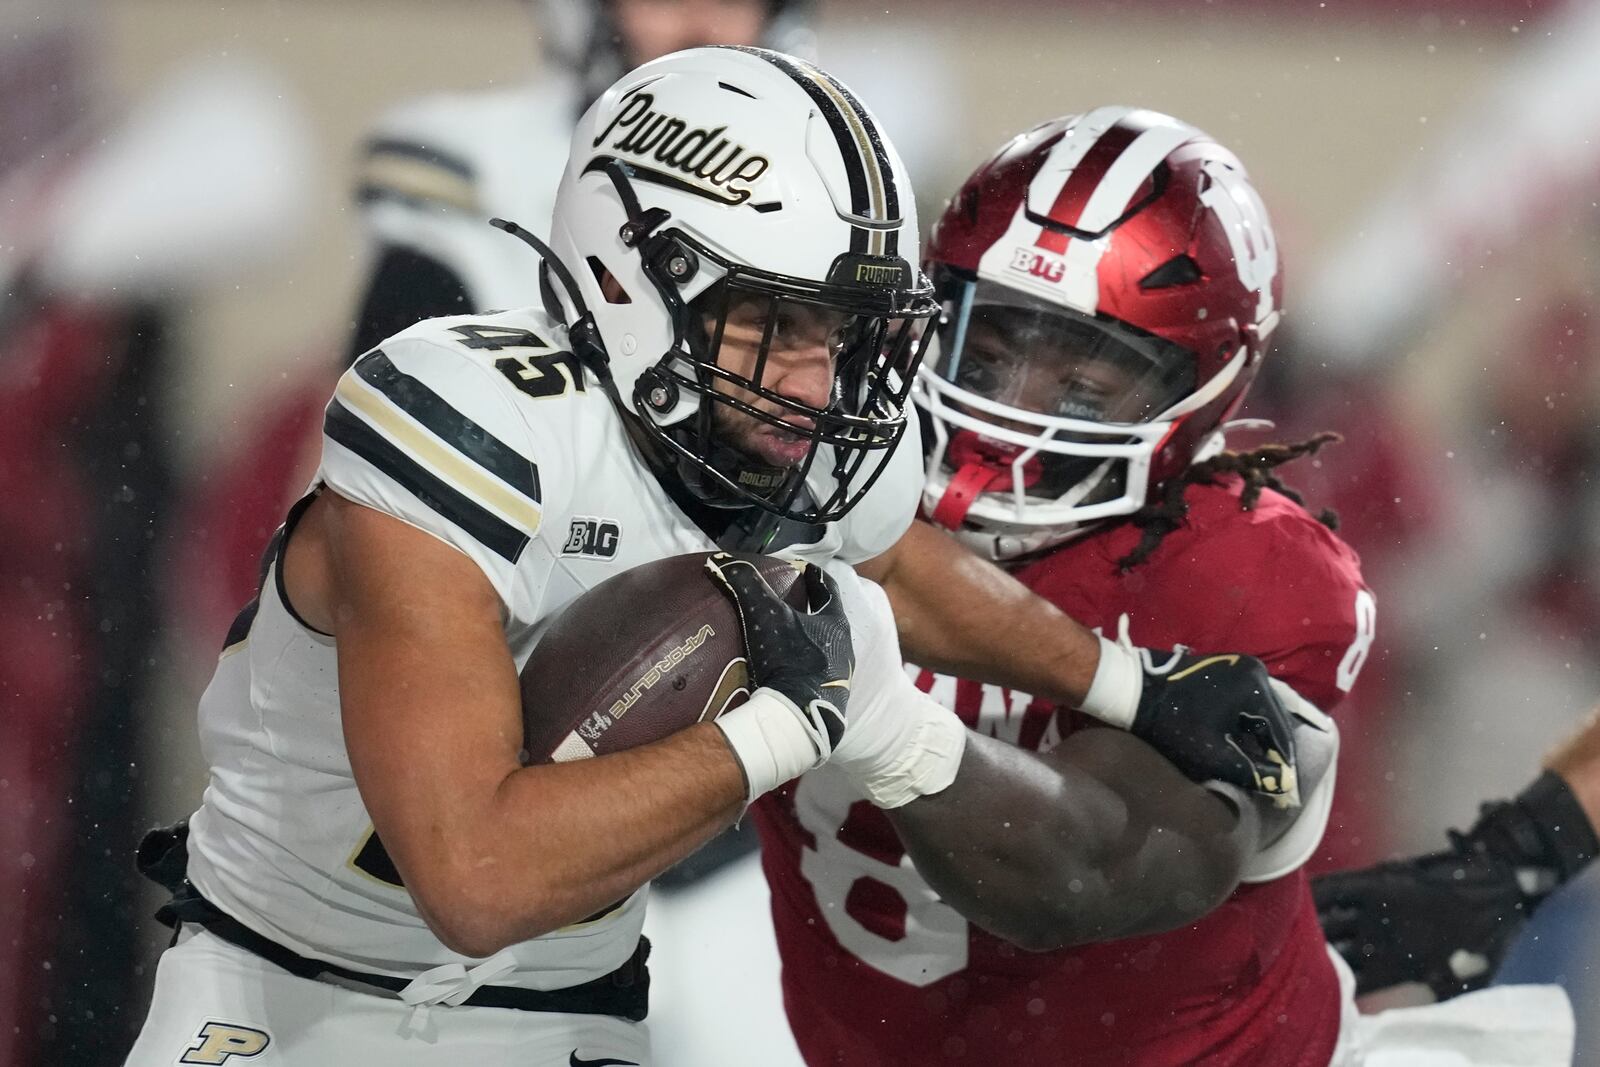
1179	270
610	287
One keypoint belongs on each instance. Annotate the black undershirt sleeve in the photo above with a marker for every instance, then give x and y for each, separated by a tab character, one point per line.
404	288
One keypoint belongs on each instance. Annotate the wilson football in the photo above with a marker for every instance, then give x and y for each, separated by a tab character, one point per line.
640	656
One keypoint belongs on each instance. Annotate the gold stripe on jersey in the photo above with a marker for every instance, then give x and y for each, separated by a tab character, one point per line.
442	460
411	178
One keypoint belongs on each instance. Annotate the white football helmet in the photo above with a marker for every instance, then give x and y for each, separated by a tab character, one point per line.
717	178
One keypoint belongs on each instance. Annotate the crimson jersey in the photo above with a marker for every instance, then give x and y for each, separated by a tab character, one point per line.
878	970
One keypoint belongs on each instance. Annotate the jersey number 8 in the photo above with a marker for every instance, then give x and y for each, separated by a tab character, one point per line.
934	942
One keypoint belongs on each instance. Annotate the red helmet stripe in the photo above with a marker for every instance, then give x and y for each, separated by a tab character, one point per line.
1083	181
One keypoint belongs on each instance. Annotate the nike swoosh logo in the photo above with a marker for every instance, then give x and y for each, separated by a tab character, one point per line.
575	1061
1230	660
841	683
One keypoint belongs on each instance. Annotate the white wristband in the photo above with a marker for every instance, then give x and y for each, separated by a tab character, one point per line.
769	740
1113	696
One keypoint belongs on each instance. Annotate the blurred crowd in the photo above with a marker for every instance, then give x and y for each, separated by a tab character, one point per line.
129	529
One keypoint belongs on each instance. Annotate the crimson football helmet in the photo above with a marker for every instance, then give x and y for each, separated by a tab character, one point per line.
1109	282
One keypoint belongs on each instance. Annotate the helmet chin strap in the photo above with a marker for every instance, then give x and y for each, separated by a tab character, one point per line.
981	467
739	467
966	485
582	331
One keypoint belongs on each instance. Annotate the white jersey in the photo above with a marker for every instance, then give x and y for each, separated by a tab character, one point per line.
484	432
436	170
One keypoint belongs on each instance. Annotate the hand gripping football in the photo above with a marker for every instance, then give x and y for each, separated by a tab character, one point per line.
640	656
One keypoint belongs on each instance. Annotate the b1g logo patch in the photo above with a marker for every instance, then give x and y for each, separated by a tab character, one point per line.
221	1042
592	538
1038	264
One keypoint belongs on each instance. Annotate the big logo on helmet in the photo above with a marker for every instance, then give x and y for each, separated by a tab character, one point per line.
1036	263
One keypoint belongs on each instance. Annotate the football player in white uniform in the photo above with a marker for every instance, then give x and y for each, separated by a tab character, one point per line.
437	169
372	875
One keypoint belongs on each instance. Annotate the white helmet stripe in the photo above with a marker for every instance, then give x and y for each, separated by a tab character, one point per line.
1067	153
1042	192
1046	186
1110	199
1124	177
1077	280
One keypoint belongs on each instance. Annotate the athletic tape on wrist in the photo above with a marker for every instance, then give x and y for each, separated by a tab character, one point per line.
926	763
1113	695
769	740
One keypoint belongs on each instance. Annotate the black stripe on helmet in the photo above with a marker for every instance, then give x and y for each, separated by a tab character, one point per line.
849	151
891	193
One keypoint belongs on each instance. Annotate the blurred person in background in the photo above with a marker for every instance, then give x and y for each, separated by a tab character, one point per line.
91	290
1507	656
1448	919
436	168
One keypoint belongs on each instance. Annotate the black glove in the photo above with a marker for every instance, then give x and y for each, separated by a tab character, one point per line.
806	657
1447	919
1217	718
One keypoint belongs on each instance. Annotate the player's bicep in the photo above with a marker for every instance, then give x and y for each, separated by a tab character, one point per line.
428	687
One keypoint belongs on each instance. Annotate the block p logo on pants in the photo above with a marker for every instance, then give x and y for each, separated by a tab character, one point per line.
220	1042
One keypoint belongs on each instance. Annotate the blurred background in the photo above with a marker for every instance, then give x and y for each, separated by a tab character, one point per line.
180	260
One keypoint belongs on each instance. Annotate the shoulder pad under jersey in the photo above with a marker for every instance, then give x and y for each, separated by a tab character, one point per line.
1277	584
427	427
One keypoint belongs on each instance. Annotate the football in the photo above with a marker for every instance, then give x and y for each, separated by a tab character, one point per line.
640	656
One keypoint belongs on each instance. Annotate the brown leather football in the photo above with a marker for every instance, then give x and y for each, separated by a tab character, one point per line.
639	657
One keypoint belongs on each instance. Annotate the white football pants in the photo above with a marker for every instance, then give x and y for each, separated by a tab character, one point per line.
218	1004
1502	1026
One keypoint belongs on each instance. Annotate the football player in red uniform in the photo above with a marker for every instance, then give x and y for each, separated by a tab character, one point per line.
1111	281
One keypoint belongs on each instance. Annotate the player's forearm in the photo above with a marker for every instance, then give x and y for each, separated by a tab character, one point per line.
962	616
1098	839
556	843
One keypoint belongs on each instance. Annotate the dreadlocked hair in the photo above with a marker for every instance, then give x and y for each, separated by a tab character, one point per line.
1159	518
